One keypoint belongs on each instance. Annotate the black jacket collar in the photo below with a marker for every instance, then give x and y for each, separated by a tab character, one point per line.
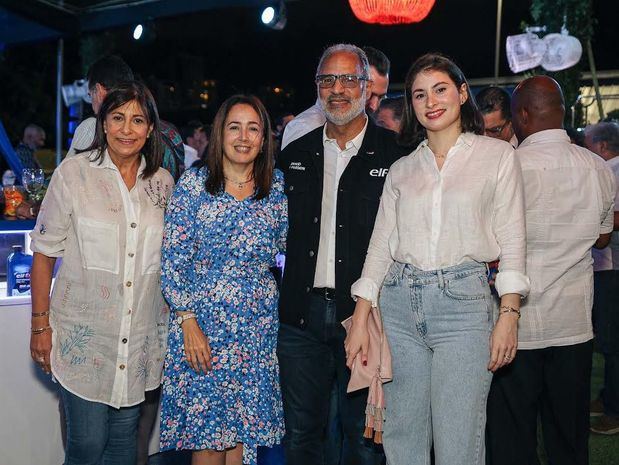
312	141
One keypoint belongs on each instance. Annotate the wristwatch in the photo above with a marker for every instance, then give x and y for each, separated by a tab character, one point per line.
186	316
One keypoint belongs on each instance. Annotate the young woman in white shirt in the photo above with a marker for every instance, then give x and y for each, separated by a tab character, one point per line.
447	209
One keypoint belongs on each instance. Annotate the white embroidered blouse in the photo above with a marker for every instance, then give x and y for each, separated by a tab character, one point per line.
108	316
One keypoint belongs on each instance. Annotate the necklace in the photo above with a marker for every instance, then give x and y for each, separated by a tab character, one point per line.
239	184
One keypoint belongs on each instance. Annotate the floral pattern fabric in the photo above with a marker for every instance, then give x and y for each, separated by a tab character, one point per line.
215	262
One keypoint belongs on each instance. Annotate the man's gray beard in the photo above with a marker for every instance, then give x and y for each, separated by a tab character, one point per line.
340	119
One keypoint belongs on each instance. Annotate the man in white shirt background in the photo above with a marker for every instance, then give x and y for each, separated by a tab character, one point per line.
103	75
569	199
603	139
195	140
314	116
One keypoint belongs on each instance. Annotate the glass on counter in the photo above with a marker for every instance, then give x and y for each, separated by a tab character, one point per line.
33	180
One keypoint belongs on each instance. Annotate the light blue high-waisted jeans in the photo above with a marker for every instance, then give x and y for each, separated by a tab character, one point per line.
438	325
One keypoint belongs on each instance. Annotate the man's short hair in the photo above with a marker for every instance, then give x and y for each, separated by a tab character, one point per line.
333	49
190	128
109	71
33	128
395	104
605	132
378	60
494	98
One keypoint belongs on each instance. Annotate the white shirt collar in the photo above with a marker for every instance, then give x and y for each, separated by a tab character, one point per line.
466	138
548	135
108	163
355	142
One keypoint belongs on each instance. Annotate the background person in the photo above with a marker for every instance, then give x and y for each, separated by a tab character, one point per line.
103	75
494	104
569	195
389	114
603	140
451	206
33	140
103	334
225	224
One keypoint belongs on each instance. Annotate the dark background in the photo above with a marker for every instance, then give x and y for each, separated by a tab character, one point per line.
219	52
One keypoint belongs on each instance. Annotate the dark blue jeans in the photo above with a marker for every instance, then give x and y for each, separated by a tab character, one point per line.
606	328
311	360
98	434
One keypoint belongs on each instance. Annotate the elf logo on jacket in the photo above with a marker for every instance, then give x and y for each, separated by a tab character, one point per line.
296	165
379	172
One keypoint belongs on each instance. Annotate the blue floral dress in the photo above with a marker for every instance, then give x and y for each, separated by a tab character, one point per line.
215	262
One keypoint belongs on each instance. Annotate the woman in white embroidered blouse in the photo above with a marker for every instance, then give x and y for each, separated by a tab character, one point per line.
103	335
451	206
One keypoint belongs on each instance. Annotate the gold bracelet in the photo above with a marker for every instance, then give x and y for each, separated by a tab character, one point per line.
507	309
40	330
36	315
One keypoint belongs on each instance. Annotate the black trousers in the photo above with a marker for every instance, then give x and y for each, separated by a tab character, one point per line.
311	360
606	328
553	383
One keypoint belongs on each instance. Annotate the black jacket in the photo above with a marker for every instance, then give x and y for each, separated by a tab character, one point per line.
359	192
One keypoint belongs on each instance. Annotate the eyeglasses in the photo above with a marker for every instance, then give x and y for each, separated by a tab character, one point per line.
496	130
326	81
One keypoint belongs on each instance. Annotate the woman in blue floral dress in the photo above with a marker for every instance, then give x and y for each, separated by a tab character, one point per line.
225	223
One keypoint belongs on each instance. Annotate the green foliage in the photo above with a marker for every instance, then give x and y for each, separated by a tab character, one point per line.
579	21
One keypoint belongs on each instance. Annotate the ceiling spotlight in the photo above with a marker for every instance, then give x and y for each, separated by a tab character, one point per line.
137	32
145	32
275	16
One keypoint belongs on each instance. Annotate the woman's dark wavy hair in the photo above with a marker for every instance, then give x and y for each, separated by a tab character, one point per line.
265	161
412	131
117	97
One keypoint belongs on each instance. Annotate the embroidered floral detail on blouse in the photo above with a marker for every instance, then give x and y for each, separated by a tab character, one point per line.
78	338
157	192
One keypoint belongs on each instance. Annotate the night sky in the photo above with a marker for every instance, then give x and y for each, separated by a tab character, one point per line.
233	48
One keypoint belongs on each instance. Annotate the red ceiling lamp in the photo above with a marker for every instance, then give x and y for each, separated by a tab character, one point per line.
389	12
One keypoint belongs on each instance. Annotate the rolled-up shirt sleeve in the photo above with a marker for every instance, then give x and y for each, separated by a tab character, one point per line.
378	258
54	219
509	227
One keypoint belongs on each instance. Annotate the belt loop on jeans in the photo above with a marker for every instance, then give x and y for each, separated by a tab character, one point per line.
441	279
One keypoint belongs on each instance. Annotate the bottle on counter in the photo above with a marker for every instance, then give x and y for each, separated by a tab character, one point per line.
12	195
18	272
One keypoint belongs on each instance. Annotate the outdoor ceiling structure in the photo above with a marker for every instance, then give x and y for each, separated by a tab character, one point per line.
32	20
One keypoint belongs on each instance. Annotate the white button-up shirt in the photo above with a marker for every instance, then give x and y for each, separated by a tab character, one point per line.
108	316
470	210
335	162
608	257
569	196
303	123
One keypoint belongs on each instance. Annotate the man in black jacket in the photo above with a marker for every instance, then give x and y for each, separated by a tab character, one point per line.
334	178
